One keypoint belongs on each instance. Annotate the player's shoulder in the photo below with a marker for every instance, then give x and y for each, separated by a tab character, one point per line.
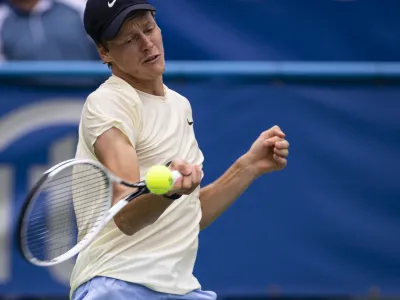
112	90
177	96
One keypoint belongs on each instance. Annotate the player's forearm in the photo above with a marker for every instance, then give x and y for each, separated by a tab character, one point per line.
141	212
219	195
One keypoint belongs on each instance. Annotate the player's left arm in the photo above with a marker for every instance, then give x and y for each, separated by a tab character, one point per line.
267	154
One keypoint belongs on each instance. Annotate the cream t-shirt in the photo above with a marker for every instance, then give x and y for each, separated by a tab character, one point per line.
162	255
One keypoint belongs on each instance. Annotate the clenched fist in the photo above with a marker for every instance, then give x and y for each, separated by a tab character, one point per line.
269	152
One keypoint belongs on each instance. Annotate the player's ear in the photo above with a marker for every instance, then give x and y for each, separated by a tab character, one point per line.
104	52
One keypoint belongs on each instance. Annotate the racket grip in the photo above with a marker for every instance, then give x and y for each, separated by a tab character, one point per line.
176	175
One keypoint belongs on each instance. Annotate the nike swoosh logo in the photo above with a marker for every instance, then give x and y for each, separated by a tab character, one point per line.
111	4
190	123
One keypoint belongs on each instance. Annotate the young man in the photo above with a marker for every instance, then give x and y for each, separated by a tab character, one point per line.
131	122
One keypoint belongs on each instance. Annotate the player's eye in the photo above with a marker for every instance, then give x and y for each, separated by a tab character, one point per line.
149	30
132	39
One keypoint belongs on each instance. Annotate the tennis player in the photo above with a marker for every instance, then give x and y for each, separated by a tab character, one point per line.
129	123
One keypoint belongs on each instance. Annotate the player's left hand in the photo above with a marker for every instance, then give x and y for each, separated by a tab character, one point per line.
269	152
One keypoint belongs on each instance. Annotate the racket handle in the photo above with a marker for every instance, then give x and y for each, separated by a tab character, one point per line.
176	175
115	209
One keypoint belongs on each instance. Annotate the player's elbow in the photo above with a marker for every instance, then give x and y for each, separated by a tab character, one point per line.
204	224
123	226
129	227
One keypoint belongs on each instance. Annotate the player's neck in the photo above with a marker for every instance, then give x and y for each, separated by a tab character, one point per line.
153	87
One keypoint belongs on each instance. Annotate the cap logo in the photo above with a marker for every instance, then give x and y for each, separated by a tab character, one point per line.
111	4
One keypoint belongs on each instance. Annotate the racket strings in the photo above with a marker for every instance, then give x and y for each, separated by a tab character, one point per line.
67	188
39	240
68	177
64	217
37	217
82	206
68	206
83	203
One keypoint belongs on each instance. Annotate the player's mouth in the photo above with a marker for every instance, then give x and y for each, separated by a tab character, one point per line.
152	59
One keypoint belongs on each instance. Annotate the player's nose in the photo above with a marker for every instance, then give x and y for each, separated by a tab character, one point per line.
147	43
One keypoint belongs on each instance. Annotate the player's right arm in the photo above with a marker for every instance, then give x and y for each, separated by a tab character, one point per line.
113	149
109	127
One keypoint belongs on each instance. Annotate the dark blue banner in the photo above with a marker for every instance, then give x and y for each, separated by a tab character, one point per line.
328	224
307	30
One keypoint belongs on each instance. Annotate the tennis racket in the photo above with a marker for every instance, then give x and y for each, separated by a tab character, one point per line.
68	207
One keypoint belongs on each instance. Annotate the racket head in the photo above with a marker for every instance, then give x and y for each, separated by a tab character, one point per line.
63	211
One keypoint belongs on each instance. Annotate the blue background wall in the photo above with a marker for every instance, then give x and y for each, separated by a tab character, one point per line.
280	30
326	225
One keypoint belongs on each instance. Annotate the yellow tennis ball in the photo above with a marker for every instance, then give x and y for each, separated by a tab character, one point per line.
159	179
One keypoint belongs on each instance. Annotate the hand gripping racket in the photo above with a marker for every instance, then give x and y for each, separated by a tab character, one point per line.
68	207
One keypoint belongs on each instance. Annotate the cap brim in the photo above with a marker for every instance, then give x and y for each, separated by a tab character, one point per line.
114	27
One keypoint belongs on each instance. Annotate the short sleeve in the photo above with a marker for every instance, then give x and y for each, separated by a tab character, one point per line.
104	110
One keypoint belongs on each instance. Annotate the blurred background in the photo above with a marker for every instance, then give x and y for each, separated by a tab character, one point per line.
326	71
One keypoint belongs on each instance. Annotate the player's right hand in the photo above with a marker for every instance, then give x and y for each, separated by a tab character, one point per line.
190	180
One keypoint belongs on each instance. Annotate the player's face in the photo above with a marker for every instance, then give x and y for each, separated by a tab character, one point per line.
138	49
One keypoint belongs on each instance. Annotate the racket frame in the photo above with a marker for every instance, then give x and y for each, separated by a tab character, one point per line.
111	211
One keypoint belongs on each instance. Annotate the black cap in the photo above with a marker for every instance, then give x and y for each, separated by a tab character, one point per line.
104	18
